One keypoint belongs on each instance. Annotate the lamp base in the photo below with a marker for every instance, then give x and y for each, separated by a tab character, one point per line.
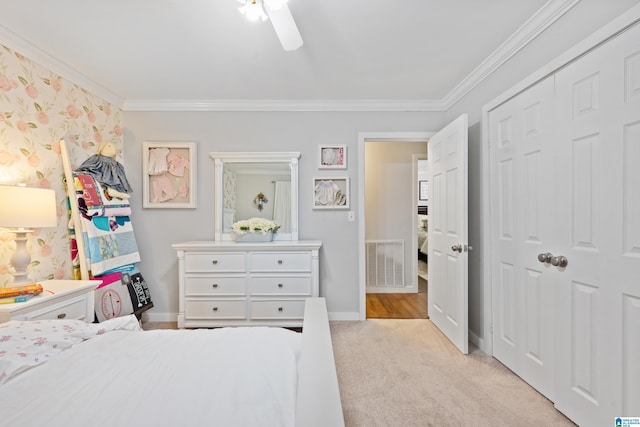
21	258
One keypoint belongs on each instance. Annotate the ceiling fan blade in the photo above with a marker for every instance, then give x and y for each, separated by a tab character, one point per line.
286	28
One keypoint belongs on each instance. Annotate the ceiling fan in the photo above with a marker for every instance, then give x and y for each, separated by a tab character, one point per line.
281	19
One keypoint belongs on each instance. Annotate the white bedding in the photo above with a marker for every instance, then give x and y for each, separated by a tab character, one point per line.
220	377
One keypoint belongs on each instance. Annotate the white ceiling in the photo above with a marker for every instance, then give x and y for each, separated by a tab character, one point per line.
366	50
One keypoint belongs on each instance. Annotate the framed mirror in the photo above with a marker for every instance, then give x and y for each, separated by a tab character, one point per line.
256	184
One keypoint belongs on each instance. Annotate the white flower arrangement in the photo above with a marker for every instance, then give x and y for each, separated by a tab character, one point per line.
255	225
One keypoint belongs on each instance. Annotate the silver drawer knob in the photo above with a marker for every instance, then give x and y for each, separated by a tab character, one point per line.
280	285
279	261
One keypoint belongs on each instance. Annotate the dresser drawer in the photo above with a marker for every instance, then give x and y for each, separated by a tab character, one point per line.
289	261
206	262
290	285
215	285
215	309
74	308
293	309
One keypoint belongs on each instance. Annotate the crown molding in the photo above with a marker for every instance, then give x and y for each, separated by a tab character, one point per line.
549	13
37	55
284	105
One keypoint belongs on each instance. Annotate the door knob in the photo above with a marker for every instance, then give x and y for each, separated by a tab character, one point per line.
457	248
545	257
559	261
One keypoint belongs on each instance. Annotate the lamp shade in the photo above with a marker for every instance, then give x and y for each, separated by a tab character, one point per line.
27	207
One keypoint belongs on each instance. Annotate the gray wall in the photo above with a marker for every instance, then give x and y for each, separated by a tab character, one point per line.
158	229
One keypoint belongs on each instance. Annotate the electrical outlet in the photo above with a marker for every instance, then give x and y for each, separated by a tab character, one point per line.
351	216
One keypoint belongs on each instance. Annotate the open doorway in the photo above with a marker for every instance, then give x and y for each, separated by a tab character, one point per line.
423	224
396	274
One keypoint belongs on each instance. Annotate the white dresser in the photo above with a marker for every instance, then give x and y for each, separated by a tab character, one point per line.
233	284
61	299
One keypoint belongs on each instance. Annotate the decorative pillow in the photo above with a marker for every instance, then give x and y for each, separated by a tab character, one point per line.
25	344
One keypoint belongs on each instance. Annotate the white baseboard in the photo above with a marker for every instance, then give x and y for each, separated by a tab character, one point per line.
172	317
345	315
159	317
477	341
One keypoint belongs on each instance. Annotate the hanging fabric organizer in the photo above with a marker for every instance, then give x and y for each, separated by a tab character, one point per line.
103	243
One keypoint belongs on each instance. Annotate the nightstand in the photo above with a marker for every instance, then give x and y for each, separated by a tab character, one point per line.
61	299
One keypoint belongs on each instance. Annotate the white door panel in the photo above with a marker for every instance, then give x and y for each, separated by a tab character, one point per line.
522	195
448	268
599	205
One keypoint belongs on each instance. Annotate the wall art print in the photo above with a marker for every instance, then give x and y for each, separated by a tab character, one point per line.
333	157
169	175
331	193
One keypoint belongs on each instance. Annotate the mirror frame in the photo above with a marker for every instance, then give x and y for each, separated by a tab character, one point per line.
221	158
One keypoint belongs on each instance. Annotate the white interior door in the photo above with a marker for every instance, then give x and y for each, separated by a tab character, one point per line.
522	223
448	231
598	206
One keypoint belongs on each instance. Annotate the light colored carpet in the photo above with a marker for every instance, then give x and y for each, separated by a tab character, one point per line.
406	373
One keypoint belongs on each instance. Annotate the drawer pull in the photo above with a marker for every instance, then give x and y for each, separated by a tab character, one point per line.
280	285
280	309
215	308
214	262
62	315
215	285
279	261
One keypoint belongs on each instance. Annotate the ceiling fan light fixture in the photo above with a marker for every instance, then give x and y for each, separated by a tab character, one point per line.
275	4
286	28
253	10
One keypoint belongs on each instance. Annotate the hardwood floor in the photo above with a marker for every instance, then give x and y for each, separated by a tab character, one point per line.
397	306
401	306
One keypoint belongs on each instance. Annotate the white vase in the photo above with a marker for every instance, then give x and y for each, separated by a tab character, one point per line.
254	237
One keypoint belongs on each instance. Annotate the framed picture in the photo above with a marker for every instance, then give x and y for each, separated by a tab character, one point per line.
169	175
423	193
333	157
331	193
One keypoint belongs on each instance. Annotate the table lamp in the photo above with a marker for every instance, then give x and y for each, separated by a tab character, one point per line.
21	209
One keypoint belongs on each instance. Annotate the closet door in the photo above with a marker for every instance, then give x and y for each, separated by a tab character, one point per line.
521	155
598	207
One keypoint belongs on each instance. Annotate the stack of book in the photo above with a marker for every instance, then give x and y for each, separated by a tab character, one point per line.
14	294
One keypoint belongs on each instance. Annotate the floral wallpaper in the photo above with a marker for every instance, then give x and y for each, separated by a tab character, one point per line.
37	109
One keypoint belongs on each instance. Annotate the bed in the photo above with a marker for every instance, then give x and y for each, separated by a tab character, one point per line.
113	373
423	241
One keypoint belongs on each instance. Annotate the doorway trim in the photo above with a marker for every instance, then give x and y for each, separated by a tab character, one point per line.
364	137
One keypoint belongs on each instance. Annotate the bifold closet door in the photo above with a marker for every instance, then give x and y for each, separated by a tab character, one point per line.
597	179
522	188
